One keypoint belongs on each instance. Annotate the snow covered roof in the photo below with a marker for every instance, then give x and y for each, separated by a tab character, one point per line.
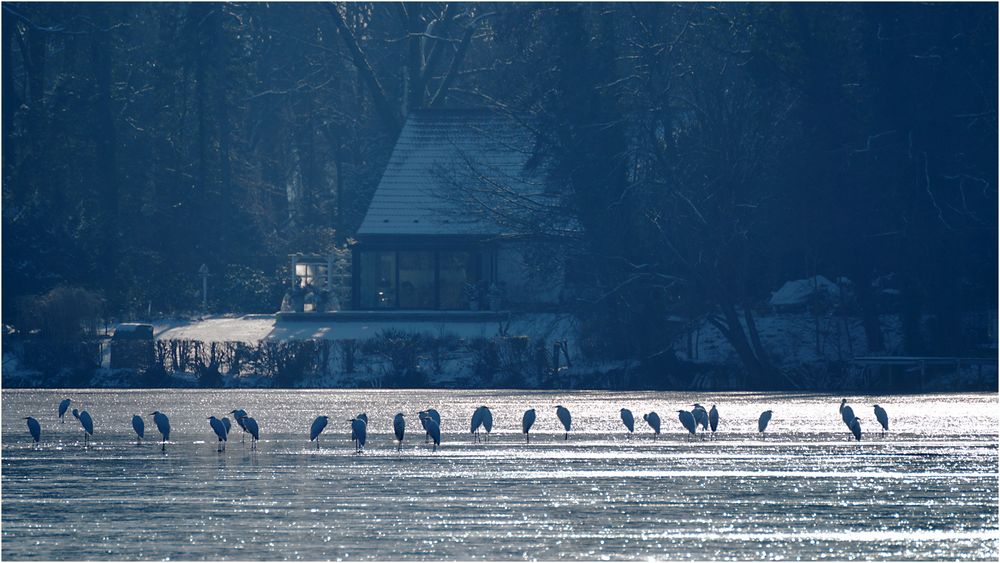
444	169
800	292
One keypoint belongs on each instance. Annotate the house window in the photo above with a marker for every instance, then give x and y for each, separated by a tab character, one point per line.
420	279
455	270
416	279
378	280
311	273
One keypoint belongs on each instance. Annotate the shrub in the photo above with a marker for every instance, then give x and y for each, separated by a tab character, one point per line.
65	313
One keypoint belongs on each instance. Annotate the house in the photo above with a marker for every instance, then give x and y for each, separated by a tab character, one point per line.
458	221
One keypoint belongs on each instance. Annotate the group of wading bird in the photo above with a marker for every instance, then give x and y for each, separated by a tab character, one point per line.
430	420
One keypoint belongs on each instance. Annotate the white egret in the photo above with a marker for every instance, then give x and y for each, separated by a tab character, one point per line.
35	428
254	431
359	429
139	425
163	425
565	418
765	417
527	421
88	426
713	419
220	430
687	420
856	428
653	420
63	405
399	428
882	417
628	420
317	428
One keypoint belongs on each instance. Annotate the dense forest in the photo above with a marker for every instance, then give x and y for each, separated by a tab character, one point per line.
710	151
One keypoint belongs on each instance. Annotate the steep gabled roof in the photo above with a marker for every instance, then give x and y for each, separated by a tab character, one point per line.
454	172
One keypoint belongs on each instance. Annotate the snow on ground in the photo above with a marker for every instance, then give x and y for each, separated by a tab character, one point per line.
254	328
791	339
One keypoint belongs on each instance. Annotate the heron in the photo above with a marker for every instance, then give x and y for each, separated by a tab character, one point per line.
429	414
139	425
317	428
653	420
765	417
527	421
399	428
487	422
76	414
688	421
35	428
254	431
856	428
227	424
846	413
63	405
433	430
565	418
700	416
88	426
220	430
477	421
359	429
240	415
713	419
628	420
883	418
163	425
361	416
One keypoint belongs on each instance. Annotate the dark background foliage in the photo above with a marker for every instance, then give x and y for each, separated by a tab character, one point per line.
710	151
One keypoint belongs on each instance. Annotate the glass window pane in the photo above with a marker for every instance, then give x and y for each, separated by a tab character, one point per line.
378	280
416	280
456	270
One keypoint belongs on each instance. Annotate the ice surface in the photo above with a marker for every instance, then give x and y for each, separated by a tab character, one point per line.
928	490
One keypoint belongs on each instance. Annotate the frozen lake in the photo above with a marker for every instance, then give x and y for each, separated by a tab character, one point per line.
927	490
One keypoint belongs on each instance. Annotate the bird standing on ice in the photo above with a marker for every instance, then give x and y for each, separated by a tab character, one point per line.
317	428
163	425
139	425
628	420
687	420
34	428
220	430
527	421
765	417
653	420
399	428
882	417
63	405
566	419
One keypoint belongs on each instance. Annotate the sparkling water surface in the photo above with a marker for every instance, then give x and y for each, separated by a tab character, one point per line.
926	490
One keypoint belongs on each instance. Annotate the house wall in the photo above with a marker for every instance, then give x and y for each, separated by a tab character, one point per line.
530	273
